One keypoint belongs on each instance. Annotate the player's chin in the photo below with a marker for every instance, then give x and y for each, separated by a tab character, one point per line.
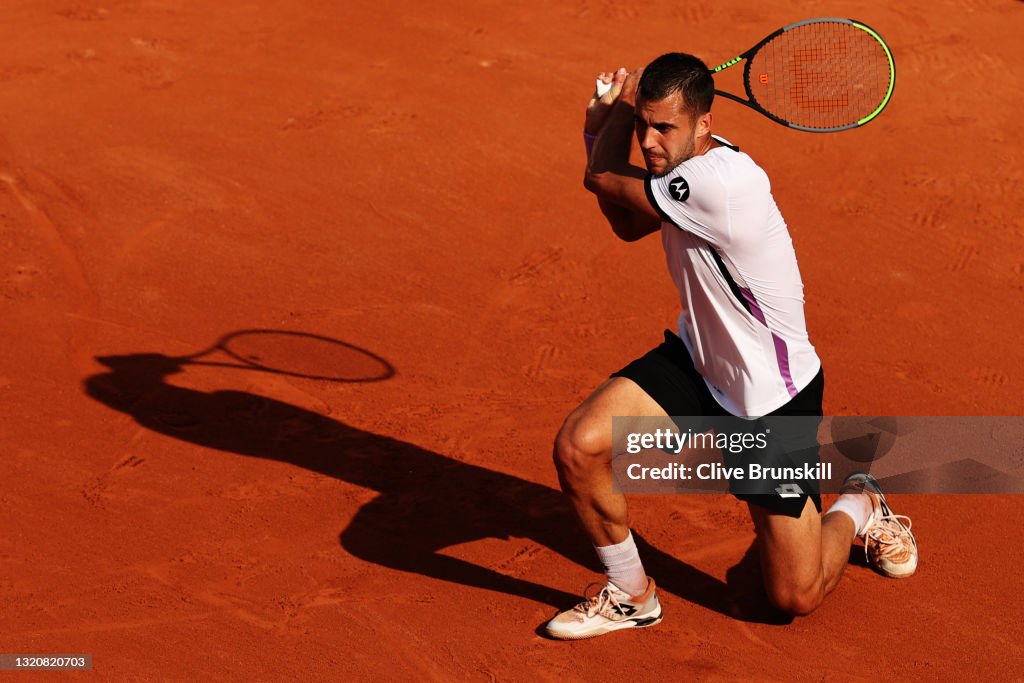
657	167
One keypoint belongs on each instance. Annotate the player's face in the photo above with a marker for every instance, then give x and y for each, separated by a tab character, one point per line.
667	133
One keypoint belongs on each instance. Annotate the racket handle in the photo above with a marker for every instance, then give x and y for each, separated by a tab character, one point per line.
602	88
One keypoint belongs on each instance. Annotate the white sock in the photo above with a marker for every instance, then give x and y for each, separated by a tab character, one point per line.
857	506
622	564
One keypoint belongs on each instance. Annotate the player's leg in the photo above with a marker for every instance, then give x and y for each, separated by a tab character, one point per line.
660	383
802	557
583	458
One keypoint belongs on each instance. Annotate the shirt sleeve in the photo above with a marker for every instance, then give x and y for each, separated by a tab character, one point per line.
693	198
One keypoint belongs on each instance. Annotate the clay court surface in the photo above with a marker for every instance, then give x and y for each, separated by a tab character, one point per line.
404	178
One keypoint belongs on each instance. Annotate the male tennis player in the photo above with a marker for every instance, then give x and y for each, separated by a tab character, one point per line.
742	348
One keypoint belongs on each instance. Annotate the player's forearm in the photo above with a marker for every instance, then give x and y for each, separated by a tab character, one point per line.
609	174
627	225
614	142
615	201
617	184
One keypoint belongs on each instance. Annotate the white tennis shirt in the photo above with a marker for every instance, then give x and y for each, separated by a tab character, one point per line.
731	257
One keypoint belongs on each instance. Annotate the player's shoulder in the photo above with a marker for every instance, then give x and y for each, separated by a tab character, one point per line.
707	181
735	169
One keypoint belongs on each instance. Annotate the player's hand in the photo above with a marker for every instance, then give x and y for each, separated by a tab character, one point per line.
629	86
599	106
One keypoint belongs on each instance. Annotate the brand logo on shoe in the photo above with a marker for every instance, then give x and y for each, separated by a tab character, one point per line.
625	610
789	491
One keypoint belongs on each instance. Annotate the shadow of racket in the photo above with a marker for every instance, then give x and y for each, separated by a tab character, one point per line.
293	354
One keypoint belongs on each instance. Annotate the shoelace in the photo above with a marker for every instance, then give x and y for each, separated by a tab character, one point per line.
892	537
602	603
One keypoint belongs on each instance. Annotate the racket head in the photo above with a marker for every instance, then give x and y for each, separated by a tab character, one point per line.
821	75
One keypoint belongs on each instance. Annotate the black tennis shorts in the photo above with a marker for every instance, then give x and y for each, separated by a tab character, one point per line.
666	373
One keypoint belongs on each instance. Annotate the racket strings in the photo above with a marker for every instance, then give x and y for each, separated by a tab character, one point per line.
821	75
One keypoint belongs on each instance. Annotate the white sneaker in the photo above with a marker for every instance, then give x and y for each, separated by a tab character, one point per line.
889	544
609	610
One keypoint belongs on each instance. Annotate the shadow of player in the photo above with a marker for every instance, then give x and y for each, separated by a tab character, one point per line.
427	501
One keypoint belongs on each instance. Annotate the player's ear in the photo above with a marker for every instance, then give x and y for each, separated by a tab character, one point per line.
703	126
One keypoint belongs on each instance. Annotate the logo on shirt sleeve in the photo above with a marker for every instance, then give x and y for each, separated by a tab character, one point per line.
679	189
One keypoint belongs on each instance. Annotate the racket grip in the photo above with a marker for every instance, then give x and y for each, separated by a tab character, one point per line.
602	88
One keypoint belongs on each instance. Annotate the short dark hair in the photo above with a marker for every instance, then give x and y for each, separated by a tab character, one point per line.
682	73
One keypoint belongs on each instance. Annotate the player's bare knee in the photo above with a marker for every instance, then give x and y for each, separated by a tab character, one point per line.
572	461
579	449
798	602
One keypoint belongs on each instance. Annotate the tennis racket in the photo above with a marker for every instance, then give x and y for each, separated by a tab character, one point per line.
819	75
